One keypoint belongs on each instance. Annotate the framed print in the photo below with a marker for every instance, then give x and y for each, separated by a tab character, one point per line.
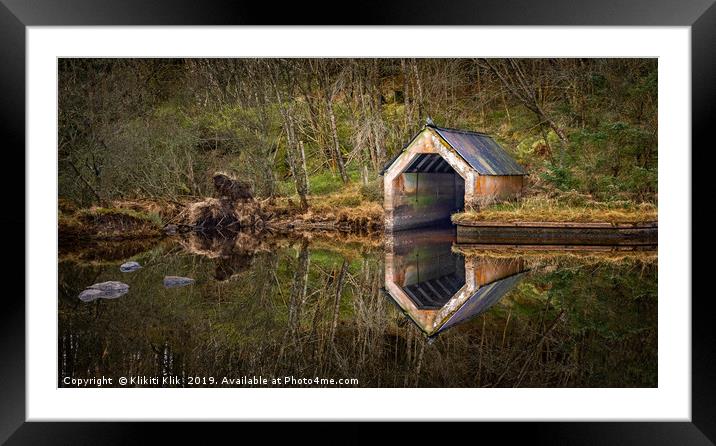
357	223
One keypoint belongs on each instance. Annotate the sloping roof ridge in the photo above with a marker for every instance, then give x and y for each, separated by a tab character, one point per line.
399	152
469	132
443	133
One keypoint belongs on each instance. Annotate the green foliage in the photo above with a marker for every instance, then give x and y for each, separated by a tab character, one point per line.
325	183
558	176
372	190
160	128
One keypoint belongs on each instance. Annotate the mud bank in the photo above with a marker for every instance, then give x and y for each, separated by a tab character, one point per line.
276	215
114	223
142	219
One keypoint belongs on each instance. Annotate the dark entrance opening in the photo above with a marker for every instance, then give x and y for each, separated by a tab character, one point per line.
425	267
427	193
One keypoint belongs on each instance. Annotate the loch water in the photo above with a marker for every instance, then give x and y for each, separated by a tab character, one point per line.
405	311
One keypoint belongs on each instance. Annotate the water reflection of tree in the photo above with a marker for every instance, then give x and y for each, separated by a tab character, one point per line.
305	311
297	298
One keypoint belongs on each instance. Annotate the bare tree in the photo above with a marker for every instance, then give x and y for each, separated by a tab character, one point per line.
278	70
329	89
523	80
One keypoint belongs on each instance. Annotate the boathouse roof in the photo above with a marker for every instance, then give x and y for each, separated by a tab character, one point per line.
485	297
479	150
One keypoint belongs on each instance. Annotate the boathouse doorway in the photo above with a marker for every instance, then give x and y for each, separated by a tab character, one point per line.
427	193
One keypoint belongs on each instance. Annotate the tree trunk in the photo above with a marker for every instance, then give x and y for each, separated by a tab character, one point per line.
297	168
481	97
298	161
406	100
336	144
419	85
304	173
376	117
366	120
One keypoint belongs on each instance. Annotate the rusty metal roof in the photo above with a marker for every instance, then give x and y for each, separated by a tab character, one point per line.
485	297
481	152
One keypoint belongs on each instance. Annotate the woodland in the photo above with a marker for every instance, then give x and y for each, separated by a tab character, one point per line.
311	130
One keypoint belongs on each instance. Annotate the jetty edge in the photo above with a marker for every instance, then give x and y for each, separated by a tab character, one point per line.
558	233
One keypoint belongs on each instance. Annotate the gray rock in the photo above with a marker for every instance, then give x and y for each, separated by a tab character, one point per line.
176	281
128	267
104	290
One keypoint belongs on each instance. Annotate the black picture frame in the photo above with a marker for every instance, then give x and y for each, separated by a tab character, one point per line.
16	15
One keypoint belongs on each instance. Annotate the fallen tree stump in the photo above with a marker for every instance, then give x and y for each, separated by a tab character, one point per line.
221	213
234	208
231	189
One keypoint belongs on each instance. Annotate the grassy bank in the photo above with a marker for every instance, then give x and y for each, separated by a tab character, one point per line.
352	208
561	210
107	223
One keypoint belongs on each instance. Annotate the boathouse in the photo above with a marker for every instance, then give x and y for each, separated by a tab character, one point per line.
438	289
440	171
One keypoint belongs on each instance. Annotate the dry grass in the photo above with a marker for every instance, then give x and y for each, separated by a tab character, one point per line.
347	208
108	223
215	213
538	257
167	210
208	210
555	210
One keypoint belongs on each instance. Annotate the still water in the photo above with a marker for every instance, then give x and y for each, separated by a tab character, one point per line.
405	312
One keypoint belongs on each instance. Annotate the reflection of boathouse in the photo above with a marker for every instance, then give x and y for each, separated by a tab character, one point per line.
440	171
438	289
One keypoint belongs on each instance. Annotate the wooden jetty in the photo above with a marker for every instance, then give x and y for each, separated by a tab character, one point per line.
558	233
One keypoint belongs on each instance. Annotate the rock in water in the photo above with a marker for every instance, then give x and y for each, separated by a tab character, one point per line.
128	267
104	290
176	281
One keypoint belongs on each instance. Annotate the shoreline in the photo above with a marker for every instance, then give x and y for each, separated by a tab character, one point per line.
142	219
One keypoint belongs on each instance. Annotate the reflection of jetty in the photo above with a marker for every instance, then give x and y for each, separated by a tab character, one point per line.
437	288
